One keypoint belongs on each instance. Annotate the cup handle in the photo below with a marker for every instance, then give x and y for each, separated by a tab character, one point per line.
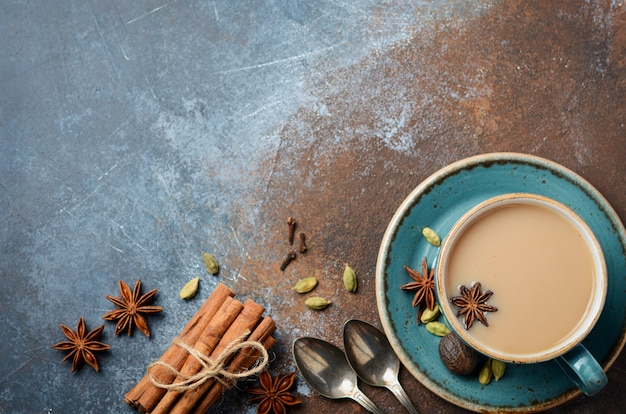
583	369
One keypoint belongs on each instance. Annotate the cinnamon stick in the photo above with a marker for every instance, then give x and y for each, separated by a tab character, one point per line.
144	395
242	361
246	320
210	337
206	344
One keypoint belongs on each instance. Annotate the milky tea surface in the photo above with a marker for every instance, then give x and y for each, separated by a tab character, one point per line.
541	272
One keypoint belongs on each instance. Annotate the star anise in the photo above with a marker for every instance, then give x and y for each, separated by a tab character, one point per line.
472	304
424	287
273	395
81	345
131	305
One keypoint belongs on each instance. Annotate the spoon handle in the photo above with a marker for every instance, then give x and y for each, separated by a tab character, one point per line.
400	394
366	402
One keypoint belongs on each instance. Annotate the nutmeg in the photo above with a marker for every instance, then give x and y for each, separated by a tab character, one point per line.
456	355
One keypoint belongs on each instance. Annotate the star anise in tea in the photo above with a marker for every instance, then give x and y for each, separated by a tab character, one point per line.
424	287
131	307
273	395
81	345
472	304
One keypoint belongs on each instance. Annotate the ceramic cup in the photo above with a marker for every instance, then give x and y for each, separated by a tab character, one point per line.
548	277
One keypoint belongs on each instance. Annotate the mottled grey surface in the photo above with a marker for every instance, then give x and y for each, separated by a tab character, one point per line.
136	134
129	137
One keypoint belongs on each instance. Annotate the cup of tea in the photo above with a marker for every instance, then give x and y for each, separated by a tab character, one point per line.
547	276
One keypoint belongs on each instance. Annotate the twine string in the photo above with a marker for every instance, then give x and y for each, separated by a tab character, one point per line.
212	368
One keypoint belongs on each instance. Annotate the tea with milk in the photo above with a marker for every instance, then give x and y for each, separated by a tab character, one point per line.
540	269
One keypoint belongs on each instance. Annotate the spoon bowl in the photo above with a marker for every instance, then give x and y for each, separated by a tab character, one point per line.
325	368
370	355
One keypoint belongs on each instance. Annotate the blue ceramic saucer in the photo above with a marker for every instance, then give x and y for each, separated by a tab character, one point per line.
437	203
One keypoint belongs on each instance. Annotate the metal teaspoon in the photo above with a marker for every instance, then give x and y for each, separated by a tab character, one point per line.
372	358
325	368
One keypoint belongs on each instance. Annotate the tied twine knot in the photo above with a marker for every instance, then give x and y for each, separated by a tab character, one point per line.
212	368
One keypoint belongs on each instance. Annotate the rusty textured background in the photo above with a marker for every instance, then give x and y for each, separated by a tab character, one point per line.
135	135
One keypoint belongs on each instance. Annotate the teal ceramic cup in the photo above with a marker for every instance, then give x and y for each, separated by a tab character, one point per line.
548	278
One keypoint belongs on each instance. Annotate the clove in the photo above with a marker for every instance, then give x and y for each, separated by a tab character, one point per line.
288	259
291	222
302	243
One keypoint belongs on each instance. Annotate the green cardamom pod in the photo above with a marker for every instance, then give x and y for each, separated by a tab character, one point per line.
498	368
437	328
485	374
431	236
305	285
349	279
189	290
430	315
316	303
210	262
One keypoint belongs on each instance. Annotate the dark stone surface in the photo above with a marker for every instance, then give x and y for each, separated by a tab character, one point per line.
135	135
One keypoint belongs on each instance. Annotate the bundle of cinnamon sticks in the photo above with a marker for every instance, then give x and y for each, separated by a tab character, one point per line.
219	322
